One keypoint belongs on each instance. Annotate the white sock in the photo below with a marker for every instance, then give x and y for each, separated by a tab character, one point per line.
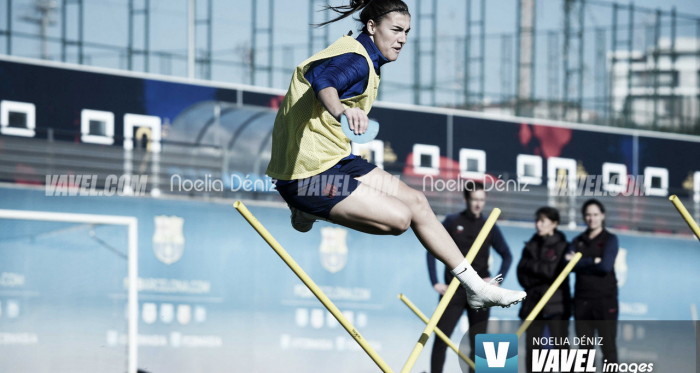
468	276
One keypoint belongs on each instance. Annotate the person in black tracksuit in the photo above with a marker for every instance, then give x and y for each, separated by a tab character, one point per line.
464	227
541	262
596	292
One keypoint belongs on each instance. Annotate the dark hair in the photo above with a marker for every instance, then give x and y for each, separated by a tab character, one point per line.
592	201
371	9
549	213
476	186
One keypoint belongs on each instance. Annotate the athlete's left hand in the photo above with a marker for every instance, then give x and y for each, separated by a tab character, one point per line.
357	119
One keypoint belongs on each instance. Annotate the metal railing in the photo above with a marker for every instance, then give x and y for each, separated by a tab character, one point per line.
200	172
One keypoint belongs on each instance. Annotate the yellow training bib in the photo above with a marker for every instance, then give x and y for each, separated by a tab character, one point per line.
306	139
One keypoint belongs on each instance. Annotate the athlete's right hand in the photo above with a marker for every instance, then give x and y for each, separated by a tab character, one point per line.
440	288
357	119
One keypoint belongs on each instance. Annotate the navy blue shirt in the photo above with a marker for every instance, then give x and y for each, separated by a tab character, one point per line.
587	265
594	281
348	73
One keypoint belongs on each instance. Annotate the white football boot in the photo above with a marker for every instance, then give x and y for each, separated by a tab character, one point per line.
491	295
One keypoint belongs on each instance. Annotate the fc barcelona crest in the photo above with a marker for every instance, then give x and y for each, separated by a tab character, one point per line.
168	240
334	248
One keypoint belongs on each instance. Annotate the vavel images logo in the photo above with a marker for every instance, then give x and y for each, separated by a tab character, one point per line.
496	353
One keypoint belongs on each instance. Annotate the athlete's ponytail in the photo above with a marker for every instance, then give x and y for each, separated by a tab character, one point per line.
371	9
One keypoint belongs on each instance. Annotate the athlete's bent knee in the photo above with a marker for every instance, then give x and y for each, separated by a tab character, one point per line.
419	204
399	229
421	199
400	223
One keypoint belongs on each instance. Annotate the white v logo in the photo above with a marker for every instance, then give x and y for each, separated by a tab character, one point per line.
492	360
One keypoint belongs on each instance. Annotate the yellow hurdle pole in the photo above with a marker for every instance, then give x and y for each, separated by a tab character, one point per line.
686	215
312	286
438	332
485	230
545	298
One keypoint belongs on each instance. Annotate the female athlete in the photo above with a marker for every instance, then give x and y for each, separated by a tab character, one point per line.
311	158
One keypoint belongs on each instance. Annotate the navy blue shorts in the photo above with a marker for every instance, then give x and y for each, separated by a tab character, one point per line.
318	194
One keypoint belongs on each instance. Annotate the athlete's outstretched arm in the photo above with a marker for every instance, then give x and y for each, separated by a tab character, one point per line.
330	100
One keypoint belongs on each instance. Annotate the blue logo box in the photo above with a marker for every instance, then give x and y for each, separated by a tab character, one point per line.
496	353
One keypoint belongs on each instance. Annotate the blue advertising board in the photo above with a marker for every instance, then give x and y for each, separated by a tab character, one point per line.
60	92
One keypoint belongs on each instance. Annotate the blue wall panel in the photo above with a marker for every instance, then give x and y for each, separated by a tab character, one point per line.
235	304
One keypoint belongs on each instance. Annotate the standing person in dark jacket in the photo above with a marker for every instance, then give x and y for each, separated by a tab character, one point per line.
541	262
595	295
463	228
